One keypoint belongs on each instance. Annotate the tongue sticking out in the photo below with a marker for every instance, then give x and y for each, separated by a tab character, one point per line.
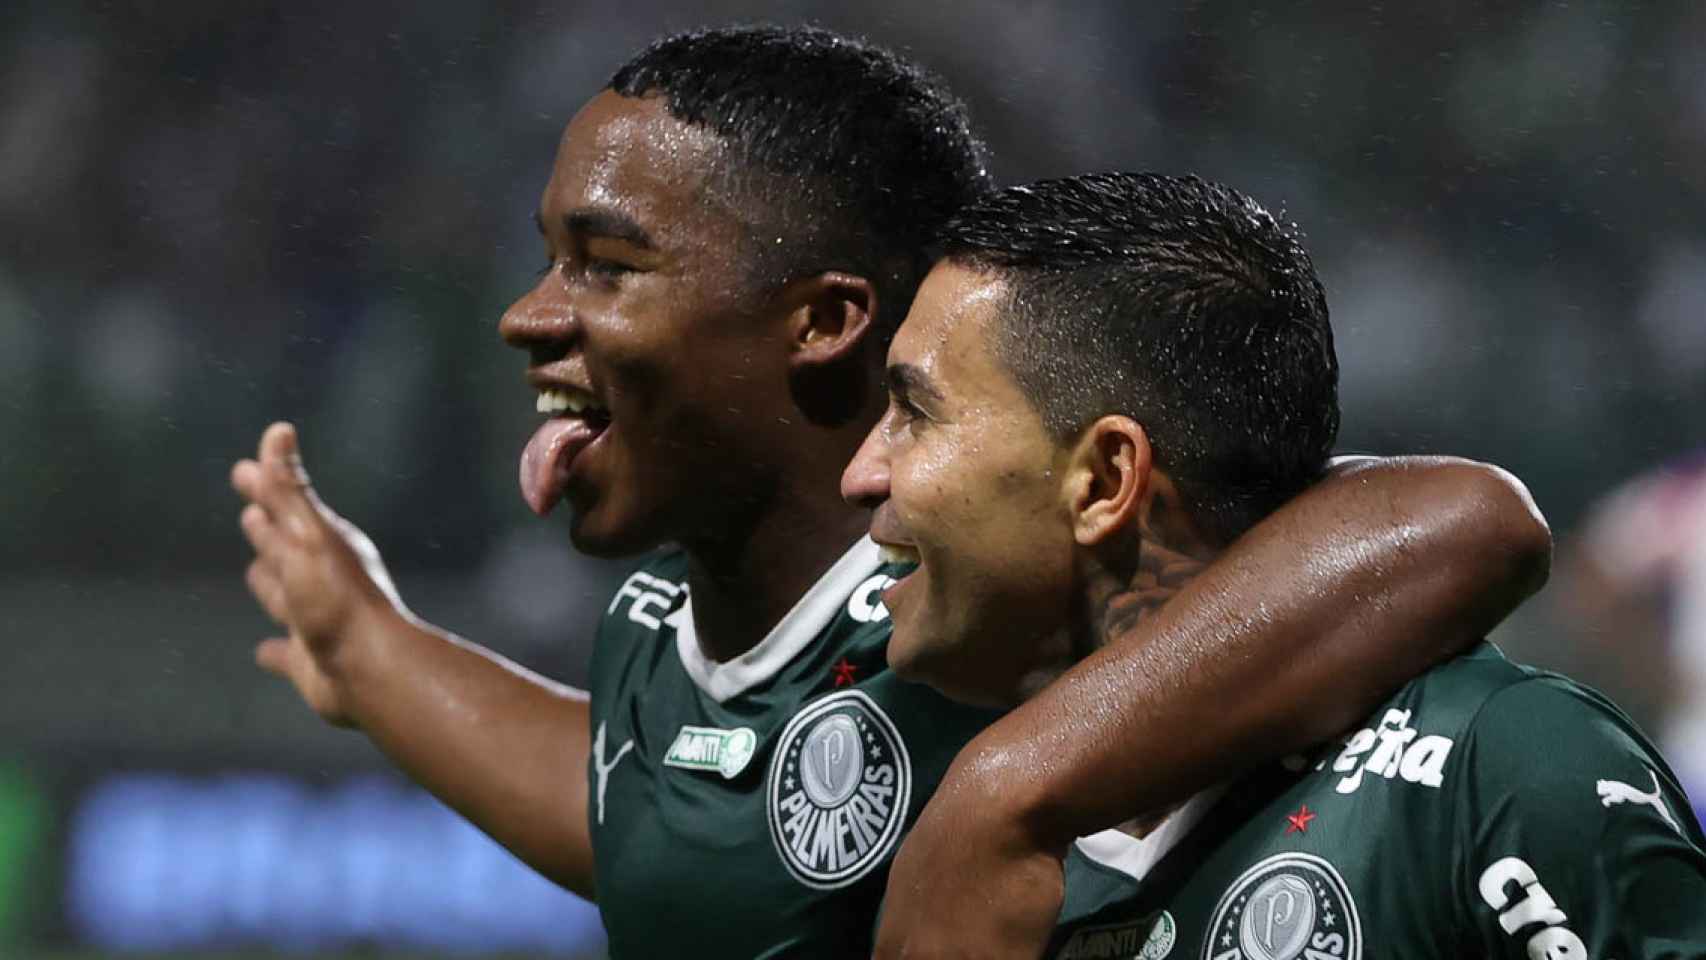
545	462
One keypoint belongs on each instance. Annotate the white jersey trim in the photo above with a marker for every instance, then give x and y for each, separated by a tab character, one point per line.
791	635
1136	856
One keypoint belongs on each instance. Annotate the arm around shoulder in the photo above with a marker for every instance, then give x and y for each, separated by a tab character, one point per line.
1296	631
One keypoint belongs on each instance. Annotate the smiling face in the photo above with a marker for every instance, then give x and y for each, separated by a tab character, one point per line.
965	478
648	345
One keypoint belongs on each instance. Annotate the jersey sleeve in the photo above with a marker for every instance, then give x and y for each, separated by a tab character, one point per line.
1575	839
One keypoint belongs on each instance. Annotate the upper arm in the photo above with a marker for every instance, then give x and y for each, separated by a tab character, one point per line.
1574	837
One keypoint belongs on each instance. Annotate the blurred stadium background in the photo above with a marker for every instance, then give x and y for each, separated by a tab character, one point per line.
215	215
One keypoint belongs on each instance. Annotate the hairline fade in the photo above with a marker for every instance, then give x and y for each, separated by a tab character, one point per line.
1179	302
848	156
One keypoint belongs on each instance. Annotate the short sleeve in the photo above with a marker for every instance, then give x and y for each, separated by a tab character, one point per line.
1575	839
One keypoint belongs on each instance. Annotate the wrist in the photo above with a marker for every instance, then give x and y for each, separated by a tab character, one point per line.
364	646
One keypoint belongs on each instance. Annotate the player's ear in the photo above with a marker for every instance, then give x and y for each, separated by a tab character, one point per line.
830	318
1108	476
828	327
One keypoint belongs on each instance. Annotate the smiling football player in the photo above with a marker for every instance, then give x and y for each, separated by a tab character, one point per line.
1108	380
732	228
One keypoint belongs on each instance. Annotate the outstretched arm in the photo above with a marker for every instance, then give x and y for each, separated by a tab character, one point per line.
504	747
1300	628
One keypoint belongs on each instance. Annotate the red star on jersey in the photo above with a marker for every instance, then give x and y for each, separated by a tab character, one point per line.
844	672
1299	822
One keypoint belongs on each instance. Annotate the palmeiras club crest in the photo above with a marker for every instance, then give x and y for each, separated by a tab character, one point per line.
1289	905
838	790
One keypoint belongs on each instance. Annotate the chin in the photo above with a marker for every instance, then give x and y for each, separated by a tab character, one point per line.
936	668
905	667
907	658
607	537
900	656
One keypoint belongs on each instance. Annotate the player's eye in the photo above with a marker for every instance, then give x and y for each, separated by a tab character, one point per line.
607	269
906	413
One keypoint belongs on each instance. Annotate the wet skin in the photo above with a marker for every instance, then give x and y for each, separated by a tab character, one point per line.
655	308
645	307
962	470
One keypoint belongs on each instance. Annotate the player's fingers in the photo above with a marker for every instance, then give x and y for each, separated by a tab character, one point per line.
278	443
268	485
258	528
292	494
246	479
273	655
268	591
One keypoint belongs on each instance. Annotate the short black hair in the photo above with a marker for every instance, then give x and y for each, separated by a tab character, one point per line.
1178	302
862	155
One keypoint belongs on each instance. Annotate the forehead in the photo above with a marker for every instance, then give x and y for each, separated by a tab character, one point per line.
948	334
629	155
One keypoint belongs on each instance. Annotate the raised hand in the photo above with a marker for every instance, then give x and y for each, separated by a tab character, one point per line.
314	573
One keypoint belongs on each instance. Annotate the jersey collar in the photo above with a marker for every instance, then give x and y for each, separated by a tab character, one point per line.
792	634
1136	856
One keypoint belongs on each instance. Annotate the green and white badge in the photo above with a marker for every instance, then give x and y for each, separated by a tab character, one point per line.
707	748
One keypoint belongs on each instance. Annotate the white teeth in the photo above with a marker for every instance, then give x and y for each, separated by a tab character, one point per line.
890	553
559	401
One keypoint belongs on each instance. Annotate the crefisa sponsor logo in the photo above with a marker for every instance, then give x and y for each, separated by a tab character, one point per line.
1288	906
1394	749
838	790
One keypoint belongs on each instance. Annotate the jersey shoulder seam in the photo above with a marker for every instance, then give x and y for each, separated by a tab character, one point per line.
1525	680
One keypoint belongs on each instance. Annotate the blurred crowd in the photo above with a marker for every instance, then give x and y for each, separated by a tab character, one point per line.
217	215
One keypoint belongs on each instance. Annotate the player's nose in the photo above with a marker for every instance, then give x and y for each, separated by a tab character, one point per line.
865	482
543	315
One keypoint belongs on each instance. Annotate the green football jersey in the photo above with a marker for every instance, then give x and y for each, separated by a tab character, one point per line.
1488	810
750	808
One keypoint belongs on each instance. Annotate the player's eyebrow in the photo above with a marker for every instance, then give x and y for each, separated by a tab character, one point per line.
911	383
595	222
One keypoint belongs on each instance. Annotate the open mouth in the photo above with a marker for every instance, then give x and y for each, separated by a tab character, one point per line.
573	401
897	553
576	421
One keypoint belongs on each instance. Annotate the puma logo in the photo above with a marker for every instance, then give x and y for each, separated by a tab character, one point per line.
603	768
1615	791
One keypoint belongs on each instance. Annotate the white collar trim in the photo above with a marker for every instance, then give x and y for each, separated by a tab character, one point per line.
792	634
1136	856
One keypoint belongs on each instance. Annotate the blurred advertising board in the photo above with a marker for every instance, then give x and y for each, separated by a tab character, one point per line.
163	860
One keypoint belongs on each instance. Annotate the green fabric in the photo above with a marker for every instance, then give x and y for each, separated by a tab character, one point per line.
1439	830
689	861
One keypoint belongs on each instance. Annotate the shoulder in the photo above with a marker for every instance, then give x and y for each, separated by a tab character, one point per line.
1538	708
1513	722
1459	697
1417	736
1572	832
1563	755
